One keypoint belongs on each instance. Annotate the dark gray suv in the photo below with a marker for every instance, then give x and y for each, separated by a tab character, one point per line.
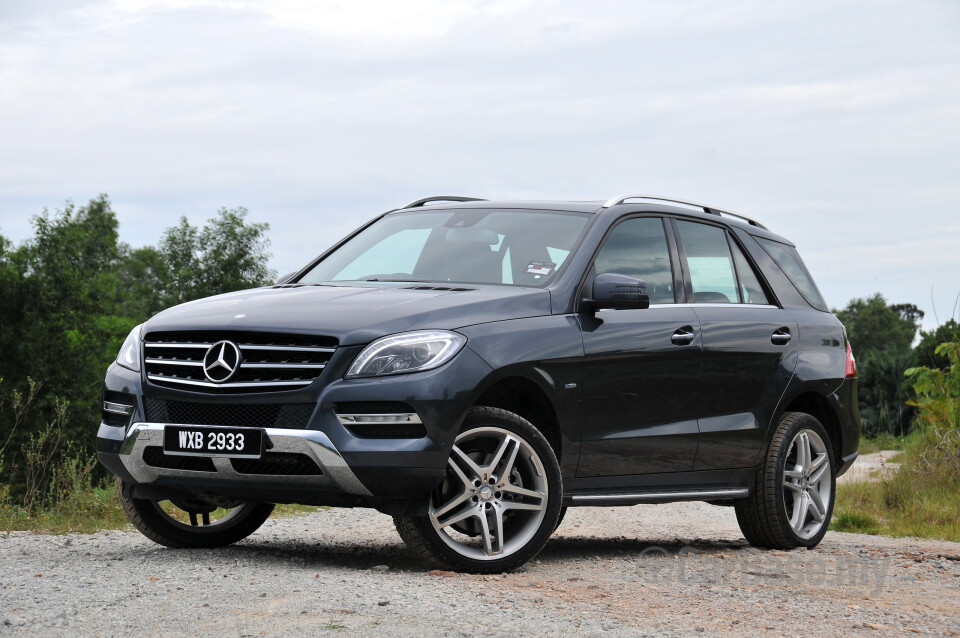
473	368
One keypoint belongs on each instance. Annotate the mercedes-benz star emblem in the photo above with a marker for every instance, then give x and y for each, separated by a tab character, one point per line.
222	361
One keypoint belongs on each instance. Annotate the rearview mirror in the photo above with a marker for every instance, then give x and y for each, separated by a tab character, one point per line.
612	290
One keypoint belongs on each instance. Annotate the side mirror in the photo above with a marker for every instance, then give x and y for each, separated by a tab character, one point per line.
612	290
285	278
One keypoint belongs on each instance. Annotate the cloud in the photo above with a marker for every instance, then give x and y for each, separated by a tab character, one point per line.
833	125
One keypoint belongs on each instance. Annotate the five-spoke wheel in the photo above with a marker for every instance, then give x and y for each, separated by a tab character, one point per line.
791	502
500	501
807	483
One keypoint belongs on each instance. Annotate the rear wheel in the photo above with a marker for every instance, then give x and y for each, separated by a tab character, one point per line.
187	523
792	499
500	500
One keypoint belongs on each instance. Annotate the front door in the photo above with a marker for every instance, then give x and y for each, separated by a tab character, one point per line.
640	366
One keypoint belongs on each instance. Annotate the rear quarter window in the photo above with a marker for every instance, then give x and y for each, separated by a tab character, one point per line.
792	266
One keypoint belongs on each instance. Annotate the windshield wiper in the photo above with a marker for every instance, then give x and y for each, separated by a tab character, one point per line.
394	280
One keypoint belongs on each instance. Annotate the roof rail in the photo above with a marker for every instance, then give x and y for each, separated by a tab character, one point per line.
707	209
442	198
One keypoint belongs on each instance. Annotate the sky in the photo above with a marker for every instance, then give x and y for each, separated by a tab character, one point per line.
835	124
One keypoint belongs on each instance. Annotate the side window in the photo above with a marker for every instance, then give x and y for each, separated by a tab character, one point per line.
638	247
790	263
750	289
709	263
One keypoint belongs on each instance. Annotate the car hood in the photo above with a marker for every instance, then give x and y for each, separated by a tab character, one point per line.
354	314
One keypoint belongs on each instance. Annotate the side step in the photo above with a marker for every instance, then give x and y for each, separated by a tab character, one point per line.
635	498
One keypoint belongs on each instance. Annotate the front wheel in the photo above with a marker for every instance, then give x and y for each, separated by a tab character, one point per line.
193	524
792	498
500	500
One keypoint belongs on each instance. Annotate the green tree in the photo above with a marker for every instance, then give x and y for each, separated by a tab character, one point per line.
925	354
872	325
881	336
72	293
228	254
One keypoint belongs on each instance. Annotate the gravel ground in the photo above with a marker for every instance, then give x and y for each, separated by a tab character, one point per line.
675	570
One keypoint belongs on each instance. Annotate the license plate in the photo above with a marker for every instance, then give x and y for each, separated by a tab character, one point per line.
203	441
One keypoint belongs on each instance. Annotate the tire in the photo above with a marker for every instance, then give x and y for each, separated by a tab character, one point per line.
490	486
792	499
563	512
154	522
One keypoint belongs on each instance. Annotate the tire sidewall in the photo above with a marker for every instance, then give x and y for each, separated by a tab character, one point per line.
797	423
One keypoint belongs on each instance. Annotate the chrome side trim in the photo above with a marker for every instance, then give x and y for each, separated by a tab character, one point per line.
117	408
314	444
244	384
401	417
654	306
680	495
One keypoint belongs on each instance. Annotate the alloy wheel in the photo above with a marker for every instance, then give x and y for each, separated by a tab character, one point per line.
807	483
494	498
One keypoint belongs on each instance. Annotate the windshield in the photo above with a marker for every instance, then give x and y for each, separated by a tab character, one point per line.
481	246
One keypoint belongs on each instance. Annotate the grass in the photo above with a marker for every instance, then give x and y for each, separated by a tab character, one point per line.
920	500
91	510
870	445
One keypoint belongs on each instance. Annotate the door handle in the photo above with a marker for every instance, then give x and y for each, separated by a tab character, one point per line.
781	336
683	336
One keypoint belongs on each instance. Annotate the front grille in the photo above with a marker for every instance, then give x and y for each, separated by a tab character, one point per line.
292	416
120	398
268	362
278	464
153	456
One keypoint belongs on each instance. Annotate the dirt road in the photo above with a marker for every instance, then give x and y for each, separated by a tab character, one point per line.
680	569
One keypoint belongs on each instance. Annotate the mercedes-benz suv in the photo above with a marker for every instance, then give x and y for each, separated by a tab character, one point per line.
473	368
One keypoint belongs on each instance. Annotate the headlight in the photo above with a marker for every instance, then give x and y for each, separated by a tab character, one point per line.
129	356
407	352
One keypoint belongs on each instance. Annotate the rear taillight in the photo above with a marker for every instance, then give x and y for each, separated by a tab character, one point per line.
851	362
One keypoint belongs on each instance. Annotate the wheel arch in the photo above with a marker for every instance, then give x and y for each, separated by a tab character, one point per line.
528	396
819	407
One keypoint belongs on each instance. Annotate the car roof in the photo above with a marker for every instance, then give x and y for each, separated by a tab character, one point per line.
597	207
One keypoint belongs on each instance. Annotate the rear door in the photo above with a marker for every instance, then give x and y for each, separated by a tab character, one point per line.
749	346
639	364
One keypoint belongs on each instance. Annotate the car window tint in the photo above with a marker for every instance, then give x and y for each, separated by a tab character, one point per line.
709	263
790	263
750	288
638	247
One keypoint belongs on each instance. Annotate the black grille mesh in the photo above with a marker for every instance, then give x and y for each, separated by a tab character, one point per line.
153	456
291	416
278	464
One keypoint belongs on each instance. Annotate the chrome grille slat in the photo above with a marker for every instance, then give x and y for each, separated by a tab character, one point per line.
175	362
302	366
161	344
268	362
239	384
284	348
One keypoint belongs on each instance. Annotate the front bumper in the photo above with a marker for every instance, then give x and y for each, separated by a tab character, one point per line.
333	474
351	470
